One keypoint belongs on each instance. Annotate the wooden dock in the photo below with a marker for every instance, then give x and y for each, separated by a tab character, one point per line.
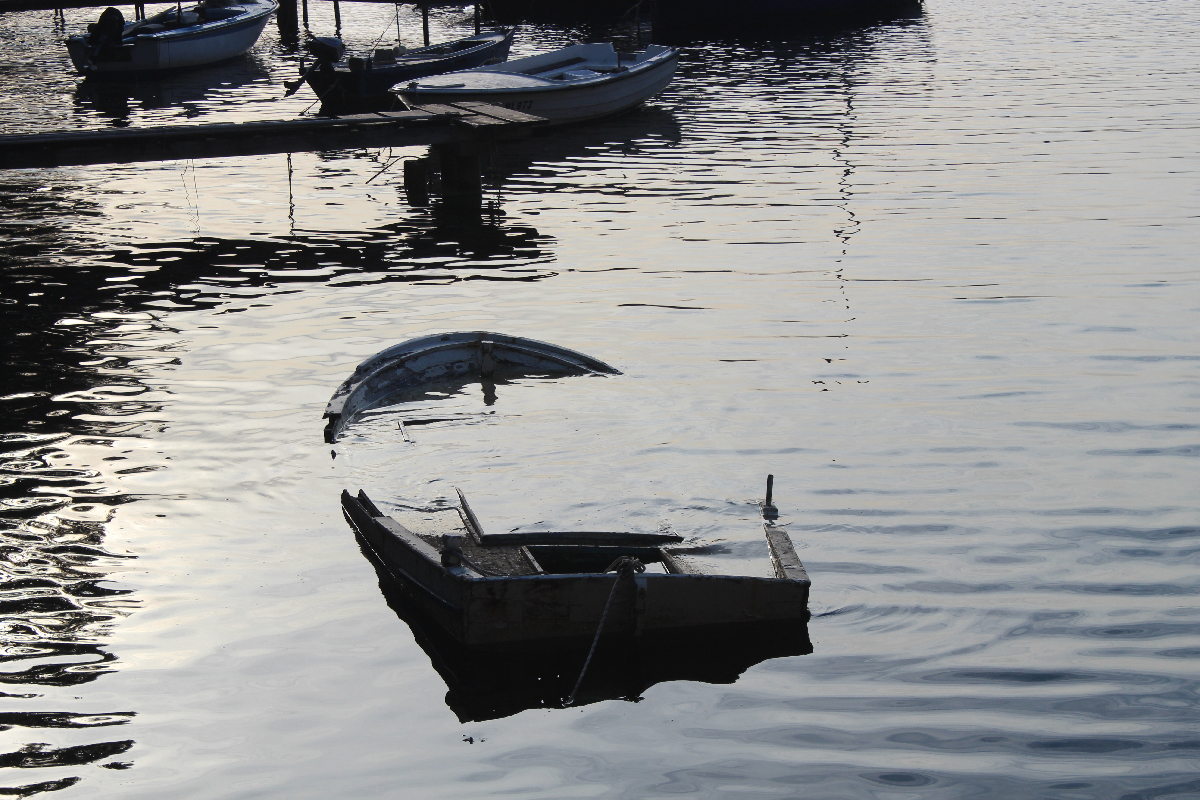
460	125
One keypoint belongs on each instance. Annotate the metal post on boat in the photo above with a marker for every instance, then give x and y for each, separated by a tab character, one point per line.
769	511
452	549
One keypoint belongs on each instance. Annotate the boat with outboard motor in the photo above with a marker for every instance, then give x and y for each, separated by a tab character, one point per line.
576	83
176	38
359	83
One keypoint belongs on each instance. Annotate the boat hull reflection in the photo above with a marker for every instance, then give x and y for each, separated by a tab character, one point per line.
492	682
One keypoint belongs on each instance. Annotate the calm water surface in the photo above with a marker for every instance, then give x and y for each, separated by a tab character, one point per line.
938	275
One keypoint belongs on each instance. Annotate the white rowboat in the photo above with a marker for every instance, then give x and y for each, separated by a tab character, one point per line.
581	82
177	38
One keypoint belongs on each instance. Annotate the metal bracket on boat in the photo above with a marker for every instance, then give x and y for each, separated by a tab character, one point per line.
783	553
469	519
769	511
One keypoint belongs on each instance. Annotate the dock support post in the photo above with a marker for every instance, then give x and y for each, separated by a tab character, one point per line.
304	12
289	29
425	21
337	19
476	17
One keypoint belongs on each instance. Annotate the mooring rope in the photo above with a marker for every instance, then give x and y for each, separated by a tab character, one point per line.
625	566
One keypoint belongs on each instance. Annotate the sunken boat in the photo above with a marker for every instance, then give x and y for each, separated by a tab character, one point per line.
463	356
489	590
496	589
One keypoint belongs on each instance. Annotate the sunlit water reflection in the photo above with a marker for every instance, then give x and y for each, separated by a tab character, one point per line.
936	275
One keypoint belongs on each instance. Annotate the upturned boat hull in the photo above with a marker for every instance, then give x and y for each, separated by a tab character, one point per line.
459	356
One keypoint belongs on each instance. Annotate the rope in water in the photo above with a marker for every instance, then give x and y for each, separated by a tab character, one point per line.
625	567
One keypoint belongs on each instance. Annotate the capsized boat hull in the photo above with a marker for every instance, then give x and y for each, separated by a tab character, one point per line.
534	603
465	356
181	48
622	82
337	85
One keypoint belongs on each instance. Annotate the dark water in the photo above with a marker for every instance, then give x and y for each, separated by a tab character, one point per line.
938	275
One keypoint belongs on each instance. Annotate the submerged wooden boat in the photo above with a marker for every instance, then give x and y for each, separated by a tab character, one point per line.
176	38
491	589
359	82
448	357
581	82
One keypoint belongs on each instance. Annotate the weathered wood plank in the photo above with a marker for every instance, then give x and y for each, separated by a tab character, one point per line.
783	555
499	112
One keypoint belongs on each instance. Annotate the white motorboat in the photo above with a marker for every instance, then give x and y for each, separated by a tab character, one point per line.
577	83
212	31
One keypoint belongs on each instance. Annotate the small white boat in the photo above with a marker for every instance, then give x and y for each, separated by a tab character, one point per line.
577	83
214	30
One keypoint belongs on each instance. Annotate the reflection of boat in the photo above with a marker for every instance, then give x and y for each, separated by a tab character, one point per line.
576	83
492	682
197	92
361	81
214	30
470	355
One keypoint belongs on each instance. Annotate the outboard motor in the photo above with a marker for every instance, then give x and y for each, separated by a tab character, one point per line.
106	30
326	48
